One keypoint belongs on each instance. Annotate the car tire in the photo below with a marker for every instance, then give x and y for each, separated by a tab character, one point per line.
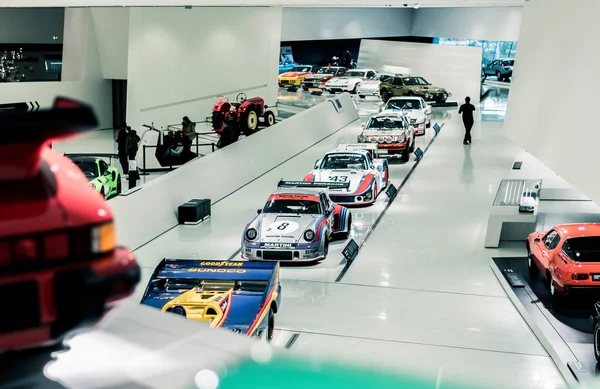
269	118
385	95
406	155
597	342
331	91
410	93
428	125
411	149
251	121
499	76
119	186
347	233
531	264
305	89
102	193
270	325
362	96
326	248
557	299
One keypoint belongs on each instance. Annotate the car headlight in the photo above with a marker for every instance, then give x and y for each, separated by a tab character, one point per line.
389	139
309	235
361	139
401	138
251	234
104	238
368	195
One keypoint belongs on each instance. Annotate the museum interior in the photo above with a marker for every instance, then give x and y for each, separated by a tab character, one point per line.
386	188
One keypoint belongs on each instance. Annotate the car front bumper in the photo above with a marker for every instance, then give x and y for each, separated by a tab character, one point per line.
295	254
364	91
284	82
351	199
339	88
309	84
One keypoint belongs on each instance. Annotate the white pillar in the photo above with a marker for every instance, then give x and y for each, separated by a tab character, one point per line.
553	104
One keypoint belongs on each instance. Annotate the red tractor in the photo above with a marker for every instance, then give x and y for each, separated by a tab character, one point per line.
245	113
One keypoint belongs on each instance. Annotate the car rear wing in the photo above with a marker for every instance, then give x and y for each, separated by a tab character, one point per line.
216	270
309	184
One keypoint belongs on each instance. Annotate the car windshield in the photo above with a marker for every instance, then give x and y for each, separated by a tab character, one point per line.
583	249
327	71
301	69
344	161
88	168
510	62
403	104
292	206
354	73
383	77
385	123
415	81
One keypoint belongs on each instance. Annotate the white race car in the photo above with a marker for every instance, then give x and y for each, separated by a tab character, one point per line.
416	110
355	166
391	134
350	81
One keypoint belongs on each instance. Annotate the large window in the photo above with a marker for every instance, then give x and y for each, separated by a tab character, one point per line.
492	50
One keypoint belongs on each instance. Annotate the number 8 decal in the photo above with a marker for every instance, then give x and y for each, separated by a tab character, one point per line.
283	226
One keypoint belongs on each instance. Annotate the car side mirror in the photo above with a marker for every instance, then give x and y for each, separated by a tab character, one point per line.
317	163
379	168
537	240
259	211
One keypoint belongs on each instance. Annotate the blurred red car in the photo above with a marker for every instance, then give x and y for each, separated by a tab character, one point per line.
568	256
59	264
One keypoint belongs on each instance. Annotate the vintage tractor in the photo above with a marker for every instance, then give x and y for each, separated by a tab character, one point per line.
246	113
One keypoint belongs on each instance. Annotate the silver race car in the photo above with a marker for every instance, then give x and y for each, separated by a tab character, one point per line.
296	224
355	166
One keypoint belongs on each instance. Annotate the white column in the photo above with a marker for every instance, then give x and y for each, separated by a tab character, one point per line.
553	104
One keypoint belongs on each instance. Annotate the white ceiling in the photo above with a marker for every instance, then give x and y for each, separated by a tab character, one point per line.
287	3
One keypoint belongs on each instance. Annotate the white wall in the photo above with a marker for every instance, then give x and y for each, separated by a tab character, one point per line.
344	23
31	25
456	68
112	32
551	110
149	212
179	60
484	23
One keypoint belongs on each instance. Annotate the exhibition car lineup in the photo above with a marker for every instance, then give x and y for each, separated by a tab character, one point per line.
416	110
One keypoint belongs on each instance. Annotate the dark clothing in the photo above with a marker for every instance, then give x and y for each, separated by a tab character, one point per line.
124	161
121	140
347	60
467	110
132	144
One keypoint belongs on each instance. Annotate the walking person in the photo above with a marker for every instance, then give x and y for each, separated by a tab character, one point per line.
189	132
122	149
467	110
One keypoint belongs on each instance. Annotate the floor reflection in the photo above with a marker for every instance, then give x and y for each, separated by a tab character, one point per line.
494	102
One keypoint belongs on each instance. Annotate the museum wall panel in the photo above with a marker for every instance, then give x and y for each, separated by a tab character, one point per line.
553	93
180	59
112	32
456	68
344	23
482	23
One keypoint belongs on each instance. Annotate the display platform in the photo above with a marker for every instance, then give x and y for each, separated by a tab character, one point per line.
568	329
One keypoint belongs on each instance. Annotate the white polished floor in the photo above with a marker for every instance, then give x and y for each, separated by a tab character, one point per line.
421	296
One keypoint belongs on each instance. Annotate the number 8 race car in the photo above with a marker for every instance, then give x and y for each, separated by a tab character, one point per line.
296	224
362	177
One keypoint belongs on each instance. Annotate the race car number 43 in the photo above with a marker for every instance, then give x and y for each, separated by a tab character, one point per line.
283	225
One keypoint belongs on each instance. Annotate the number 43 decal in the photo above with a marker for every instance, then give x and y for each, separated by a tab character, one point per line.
338	178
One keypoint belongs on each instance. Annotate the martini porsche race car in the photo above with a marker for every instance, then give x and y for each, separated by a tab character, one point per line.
102	177
296	224
362	177
415	108
240	296
391	133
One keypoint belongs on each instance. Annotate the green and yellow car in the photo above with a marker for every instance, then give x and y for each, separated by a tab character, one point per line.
102	177
412	86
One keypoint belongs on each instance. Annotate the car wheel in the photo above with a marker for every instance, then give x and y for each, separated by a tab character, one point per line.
406	155
331	91
499	76
412	147
557	298
347	232
428	125
410	93
305	89
355	88
102	193
119	186
597	342
269	118
271	325
385	95
326	248
532	267
362	96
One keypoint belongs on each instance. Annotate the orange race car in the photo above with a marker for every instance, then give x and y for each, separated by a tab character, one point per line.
567	256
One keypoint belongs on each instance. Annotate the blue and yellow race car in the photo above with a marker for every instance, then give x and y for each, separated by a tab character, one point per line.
240	296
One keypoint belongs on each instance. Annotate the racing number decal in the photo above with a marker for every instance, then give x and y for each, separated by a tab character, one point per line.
338	178
283	226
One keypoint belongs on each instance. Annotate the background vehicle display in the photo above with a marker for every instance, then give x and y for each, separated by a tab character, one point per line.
58	253
412	86
416	110
392	134
295	76
371	87
325	74
350	81
296	224
240	296
245	114
287	66
353	165
102	177
568	257
501	68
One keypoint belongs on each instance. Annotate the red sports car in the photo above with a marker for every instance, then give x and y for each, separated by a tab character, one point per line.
568	256
59	264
